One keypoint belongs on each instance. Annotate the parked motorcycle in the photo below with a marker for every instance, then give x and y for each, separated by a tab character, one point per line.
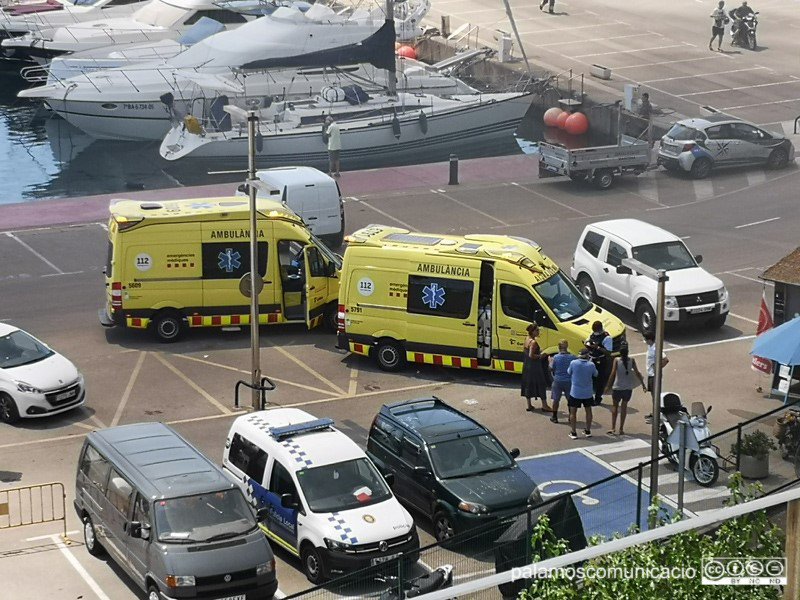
745	31
704	464
439	578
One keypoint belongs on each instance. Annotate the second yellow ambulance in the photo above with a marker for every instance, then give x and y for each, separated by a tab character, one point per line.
457	301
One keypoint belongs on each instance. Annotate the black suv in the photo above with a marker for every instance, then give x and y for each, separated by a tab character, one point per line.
447	465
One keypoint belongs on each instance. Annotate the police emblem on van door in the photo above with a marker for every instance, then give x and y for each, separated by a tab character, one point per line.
369	518
433	295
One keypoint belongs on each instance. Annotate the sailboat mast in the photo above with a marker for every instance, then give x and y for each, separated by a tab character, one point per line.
390	75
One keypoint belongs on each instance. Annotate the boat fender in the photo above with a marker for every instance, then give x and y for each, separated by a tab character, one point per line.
192	125
259	142
396	127
423	122
331	93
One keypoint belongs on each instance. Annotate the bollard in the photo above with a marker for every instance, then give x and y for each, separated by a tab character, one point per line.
453	170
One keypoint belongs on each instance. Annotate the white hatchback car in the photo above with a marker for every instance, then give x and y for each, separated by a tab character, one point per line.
693	295
35	381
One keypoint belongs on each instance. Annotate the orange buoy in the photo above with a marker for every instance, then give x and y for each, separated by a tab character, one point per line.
550	116
561	120
406	52
576	124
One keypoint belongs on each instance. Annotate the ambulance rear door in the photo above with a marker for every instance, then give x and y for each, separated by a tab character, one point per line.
442	308
318	277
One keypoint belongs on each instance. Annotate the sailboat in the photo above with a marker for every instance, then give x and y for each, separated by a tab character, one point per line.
377	129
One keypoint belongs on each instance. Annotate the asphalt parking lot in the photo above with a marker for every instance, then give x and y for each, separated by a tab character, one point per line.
52	284
661	46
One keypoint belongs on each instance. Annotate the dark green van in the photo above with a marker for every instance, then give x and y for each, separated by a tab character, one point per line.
448	466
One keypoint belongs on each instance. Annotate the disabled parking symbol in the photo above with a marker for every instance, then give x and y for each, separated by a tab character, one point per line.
561	486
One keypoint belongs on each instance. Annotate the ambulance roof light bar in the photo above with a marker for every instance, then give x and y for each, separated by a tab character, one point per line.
299	428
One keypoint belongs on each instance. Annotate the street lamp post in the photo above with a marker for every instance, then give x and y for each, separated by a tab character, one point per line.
660	277
252	283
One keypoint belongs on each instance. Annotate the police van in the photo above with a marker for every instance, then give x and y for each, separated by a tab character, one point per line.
457	301
180	263
327	503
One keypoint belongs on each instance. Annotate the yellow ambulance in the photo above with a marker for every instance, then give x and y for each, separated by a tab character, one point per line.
173	264
457	301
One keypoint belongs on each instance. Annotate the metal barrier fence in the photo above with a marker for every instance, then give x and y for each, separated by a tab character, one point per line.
33	505
617	505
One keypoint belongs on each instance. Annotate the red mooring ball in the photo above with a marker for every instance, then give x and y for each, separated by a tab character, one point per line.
561	120
406	52
576	124
550	116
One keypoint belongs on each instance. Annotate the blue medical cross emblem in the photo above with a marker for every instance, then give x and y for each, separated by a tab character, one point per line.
433	295
229	260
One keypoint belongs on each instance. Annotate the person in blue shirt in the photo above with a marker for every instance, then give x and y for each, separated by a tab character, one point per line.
559	363
582	373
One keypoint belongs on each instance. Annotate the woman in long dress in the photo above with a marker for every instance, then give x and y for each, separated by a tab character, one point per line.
534	381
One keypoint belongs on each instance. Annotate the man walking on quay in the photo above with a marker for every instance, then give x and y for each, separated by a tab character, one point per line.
552	5
718	26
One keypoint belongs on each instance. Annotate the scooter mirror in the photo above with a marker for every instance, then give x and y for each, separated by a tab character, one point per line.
708	410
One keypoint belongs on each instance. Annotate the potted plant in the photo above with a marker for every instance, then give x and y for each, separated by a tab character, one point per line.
753	452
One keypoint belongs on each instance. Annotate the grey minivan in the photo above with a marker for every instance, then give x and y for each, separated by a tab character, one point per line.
169	517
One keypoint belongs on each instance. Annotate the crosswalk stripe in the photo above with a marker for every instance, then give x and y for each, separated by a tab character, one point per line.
624	446
703	188
702	494
624	465
647	186
755	176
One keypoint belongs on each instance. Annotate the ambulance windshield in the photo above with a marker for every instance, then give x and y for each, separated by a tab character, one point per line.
562	297
343	486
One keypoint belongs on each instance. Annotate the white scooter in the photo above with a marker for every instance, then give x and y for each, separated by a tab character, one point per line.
704	464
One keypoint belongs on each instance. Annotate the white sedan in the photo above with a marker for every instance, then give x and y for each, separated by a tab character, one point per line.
35	381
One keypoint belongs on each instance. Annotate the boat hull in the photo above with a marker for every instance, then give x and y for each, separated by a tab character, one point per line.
474	129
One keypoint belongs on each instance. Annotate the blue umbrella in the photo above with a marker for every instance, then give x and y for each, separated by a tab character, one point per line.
781	344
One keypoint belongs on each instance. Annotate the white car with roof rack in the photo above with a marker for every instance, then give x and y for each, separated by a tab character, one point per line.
327	502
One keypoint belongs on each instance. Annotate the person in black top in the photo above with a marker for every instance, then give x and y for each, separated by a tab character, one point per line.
600	345
737	14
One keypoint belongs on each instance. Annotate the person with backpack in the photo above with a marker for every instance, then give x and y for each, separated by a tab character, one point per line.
624	377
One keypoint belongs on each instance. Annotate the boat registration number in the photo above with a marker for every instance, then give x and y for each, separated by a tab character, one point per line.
140	106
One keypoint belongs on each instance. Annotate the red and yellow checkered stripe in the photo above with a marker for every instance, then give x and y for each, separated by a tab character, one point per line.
137	322
362	349
232	320
512	366
445	360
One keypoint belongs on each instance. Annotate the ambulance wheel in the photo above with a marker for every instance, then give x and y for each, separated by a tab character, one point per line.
167	325
312	563
390	355
330	320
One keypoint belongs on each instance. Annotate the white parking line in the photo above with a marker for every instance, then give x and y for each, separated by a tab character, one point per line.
702	75
703	189
79	568
385	214
603	39
756	223
755	177
49	536
465	205
753	279
554	201
669	62
761	104
749	320
629	51
736	89
633	444
521	33
35	253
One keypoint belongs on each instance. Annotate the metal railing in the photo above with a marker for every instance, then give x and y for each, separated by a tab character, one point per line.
33	505
576	515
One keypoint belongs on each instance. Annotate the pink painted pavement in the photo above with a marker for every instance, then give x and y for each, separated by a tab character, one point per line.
88	209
